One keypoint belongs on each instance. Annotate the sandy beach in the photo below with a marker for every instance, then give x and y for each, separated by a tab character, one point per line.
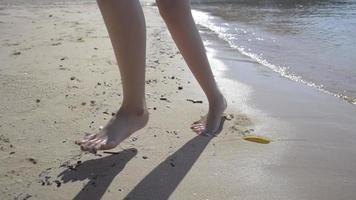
59	79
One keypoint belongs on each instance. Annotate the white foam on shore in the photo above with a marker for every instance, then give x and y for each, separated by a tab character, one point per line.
221	29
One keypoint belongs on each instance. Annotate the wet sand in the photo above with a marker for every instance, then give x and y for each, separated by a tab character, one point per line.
60	79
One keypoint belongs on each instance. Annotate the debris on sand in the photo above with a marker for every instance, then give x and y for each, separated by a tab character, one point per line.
58	183
195	101
257	139
229	117
16	53
23	196
80	39
32	160
56	44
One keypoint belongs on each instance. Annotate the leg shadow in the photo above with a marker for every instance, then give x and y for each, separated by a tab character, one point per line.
100	173
161	182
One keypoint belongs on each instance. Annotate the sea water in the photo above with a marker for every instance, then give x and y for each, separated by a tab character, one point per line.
311	42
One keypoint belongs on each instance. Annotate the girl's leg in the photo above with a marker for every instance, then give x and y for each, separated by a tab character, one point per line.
126	26
179	20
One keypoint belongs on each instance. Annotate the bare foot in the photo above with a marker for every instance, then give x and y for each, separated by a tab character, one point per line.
210	123
118	129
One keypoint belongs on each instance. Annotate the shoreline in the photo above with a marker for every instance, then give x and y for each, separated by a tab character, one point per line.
315	131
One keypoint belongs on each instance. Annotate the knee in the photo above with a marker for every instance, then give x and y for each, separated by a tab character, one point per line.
172	9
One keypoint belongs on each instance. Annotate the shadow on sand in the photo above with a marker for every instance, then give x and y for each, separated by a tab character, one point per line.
100	173
159	184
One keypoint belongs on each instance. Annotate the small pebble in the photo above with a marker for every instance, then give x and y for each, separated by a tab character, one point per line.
32	160
58	183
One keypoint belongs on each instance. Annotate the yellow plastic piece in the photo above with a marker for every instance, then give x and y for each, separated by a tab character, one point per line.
258	139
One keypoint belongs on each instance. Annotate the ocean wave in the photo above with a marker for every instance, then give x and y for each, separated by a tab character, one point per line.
221	29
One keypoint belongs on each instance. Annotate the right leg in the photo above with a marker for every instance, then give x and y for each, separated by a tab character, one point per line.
125	23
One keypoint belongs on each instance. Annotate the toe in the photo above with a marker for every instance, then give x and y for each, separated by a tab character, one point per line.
198	129
85	139
94	142
100	145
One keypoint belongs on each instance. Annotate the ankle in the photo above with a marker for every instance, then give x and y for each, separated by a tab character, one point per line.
217	99
135	110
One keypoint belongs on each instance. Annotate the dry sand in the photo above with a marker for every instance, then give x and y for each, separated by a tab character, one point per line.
59	79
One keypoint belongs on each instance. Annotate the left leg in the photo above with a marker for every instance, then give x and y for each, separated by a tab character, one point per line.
179	20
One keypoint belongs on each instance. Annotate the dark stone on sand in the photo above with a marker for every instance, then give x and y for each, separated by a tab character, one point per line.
144	157
50	15
12	152
38	100
63	58
58	183
163	98
173	77
16	53
180	88
72	78
32	160
95	48
84	103
154	108
56	44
